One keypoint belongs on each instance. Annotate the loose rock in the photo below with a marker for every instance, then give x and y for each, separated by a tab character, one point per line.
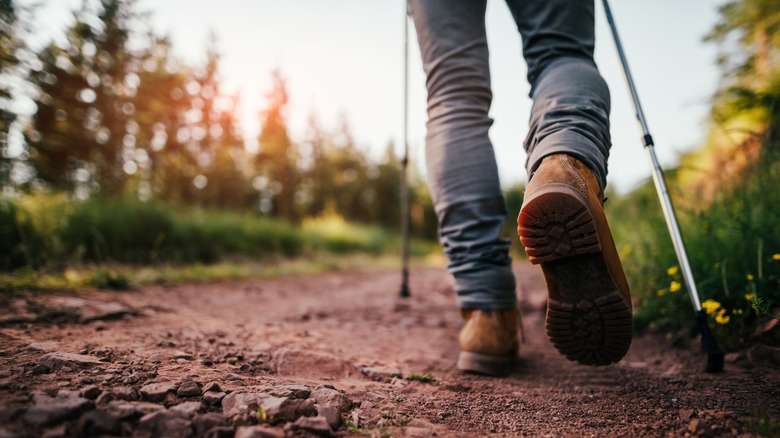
157	391
51	410
240	402
57	360
317	425
187	409
291	391
212	397
165	423
258	432
331	397
188	388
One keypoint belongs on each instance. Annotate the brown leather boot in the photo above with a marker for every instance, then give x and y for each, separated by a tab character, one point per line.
488	341
563	227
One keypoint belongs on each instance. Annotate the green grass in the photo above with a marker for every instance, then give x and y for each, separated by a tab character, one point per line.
733	245
51	242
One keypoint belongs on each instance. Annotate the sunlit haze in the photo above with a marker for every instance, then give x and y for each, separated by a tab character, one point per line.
345	59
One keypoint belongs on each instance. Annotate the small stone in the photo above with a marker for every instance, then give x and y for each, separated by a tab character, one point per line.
246	368
52	410
188	388
90	392
206	422
183	355
232	376
43	346
104	399
125	410
416	432
331	397
258	432
128	393
761	353
237	403
291	391
98	423
211	386
187	409
156	392
213	397
734	357
331	414
693	426
165	424
286	409
686	414
58	360
379	373
41	369
316	425
158	358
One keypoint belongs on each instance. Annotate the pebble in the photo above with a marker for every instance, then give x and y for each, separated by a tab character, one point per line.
59	360
187	409
331	414
156	392
51	410
316	425
291	391
237	403
258	432
128	393
98	422
327	396
232	376
286	409
206	422
211	386
188	388
165	423
213	397
90	392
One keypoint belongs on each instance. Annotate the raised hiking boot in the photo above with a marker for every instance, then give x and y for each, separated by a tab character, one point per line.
563	227
488	341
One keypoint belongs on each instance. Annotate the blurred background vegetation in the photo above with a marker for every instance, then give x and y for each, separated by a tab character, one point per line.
135	158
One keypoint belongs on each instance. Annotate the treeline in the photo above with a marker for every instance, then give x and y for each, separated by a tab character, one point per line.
117	114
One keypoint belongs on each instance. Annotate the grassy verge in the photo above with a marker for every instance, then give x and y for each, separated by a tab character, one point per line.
48	241
733	244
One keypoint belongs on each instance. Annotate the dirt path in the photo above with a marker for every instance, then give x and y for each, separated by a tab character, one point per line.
140	374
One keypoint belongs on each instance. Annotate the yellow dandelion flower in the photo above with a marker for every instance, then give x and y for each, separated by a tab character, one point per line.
750	277
675	286
711	306
662	292
722	318
750	297
775	256
673	270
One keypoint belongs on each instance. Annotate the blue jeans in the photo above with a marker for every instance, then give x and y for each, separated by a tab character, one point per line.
570	114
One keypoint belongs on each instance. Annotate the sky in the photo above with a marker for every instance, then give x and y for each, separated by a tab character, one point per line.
344	59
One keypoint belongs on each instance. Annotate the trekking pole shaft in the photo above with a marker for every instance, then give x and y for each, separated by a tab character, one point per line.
658	176
404	187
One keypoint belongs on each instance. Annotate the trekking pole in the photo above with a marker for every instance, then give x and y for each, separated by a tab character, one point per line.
714	359
404	164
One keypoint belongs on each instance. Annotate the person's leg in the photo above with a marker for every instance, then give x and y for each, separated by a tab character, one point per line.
562	223
463	179
570	113
461	165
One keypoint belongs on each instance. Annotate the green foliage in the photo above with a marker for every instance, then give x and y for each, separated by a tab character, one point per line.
424	378
733	245
53	231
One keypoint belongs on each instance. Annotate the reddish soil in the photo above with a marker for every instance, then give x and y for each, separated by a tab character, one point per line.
317	329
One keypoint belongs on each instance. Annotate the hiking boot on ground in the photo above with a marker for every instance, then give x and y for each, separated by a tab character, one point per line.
488	341
563	227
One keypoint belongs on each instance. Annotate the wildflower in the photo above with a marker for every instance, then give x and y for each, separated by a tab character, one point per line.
722	318
675	286
711	306
662	292
775	256
673	270
750	297
750	277
737	311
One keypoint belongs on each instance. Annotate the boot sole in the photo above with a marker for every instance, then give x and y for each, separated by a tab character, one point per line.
487	364
588	318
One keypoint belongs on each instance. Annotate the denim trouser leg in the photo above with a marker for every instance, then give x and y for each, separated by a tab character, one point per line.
461	165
